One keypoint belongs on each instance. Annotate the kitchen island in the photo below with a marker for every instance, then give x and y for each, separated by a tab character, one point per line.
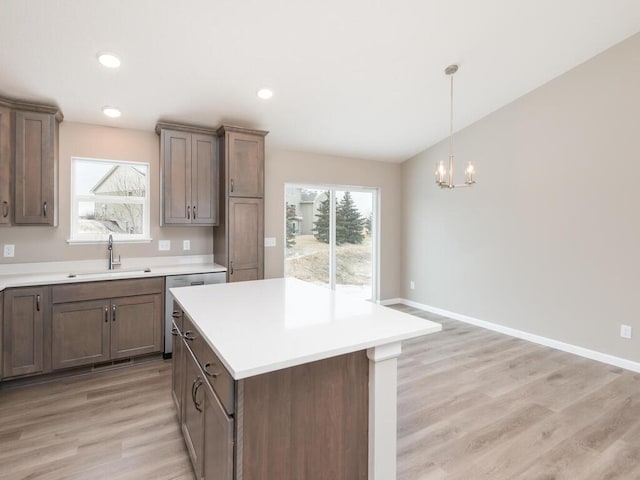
305	377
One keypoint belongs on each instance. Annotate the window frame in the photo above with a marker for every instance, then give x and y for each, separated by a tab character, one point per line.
77	238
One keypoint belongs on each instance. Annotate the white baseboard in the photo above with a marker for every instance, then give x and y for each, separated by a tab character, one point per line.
547	342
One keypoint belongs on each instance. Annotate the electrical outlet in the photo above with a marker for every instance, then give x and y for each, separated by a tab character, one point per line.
186	245
412	285
625	331
164	245
269	241
9	250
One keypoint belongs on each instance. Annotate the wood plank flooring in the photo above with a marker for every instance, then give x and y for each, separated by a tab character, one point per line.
472	404
119	424
475	404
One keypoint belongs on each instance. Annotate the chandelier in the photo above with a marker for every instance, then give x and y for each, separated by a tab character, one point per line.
444	175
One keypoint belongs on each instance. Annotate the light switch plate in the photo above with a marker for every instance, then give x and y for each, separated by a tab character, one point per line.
269	241
9	250
164	245
186	245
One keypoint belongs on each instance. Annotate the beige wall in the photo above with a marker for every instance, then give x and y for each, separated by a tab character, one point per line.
548	241
295	167
35	244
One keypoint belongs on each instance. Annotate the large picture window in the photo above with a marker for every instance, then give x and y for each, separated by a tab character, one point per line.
109	197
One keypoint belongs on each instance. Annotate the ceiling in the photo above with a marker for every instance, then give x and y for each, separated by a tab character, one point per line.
357	78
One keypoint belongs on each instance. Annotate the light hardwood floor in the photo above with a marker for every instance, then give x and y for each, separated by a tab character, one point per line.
475	404
472	404
119	424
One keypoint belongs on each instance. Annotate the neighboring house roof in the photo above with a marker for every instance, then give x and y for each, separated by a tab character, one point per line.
114	172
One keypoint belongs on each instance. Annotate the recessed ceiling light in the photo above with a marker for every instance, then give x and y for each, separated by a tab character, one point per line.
265	93
109	60
112	112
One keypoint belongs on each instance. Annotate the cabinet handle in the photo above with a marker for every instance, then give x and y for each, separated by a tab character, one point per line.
232	184
44	208
194	212
175	332
211	374
188	212
106	314
194	392
113	309
38	303
176	314
230	268
5	209
189	335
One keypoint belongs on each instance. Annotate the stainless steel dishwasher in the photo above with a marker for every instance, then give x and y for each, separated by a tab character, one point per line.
184	281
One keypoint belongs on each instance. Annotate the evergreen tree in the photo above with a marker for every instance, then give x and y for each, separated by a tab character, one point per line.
368	222
291	225
321	225
349	221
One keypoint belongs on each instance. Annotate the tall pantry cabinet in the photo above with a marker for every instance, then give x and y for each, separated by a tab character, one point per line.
238	240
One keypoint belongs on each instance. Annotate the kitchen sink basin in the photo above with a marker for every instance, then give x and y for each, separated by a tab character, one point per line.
108	273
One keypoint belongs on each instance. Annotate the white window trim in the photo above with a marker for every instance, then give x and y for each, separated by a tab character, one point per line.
87	239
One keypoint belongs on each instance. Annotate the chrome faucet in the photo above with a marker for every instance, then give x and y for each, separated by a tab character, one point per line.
110	248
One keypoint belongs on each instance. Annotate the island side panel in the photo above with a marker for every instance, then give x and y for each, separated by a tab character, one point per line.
310	421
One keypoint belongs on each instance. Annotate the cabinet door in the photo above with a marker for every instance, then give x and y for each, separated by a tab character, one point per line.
177	371
218	439
136	326
34	168
23	331
204	180
246	165
192	412
176	173
80	333
5	166
246	239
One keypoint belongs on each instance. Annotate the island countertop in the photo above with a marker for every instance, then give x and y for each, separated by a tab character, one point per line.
261	326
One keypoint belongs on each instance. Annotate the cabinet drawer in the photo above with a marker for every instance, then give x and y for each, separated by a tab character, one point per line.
77	292
216	374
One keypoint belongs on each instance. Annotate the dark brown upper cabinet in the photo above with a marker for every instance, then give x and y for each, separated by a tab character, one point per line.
35	168
5	166
245	155
28	162
190	175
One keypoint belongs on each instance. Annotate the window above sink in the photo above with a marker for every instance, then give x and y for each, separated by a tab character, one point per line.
109	197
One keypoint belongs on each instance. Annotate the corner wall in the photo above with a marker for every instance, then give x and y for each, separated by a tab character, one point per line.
548	241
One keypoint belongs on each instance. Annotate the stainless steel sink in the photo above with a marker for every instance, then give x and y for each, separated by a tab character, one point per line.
108	273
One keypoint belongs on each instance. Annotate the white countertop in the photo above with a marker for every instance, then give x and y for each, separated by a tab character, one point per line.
50	273
261	326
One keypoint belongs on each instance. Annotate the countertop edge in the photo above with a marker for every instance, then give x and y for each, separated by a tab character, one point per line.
52	278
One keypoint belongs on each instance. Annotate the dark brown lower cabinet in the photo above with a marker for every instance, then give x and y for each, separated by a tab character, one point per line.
80	333
304	422
136	325
207	429
96	322
24	331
